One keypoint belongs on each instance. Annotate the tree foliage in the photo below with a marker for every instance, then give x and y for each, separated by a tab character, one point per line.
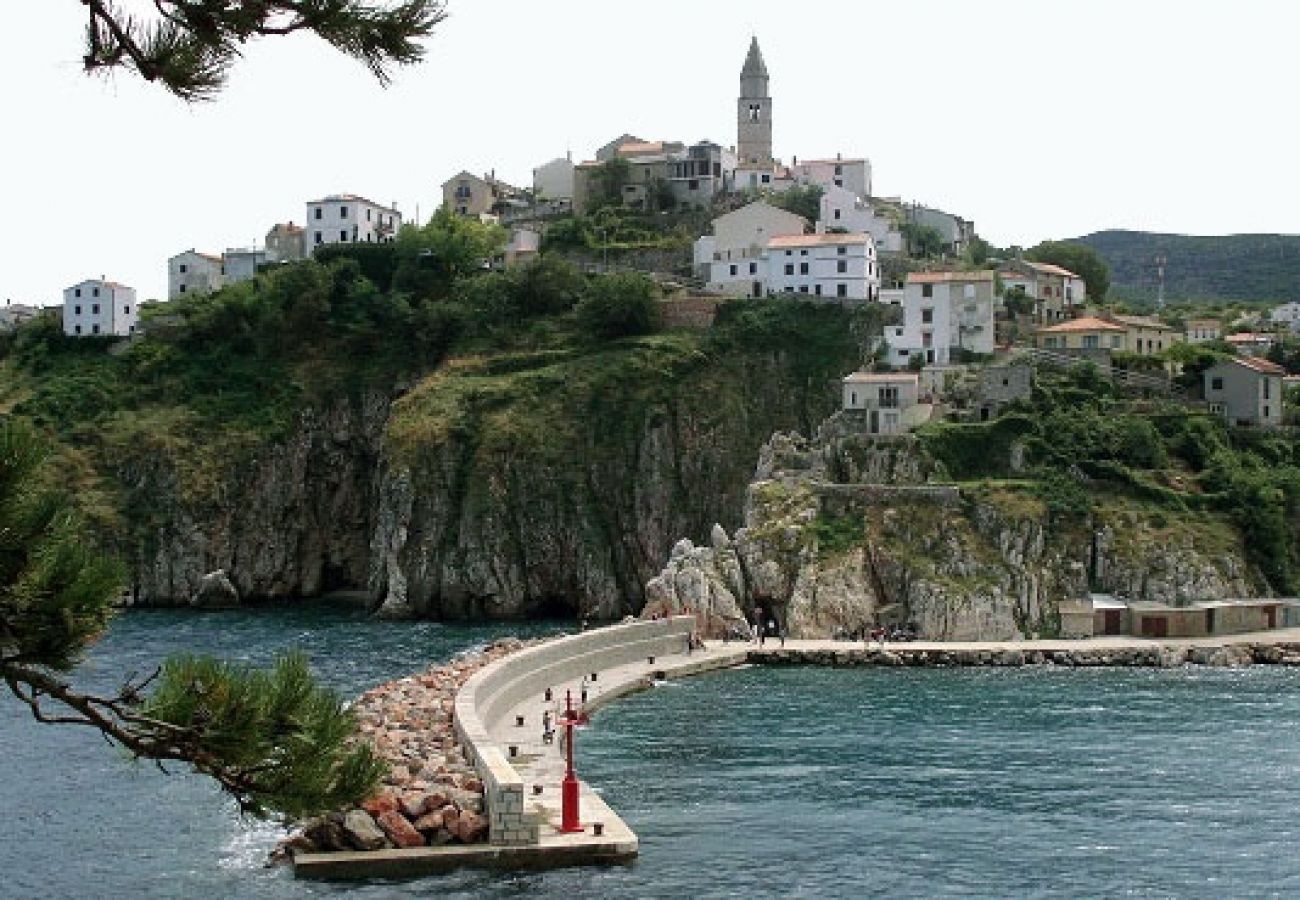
1080	259
275	741
803	201
620	305
190	46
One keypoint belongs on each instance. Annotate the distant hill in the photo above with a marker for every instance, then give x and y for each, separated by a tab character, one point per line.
1262	267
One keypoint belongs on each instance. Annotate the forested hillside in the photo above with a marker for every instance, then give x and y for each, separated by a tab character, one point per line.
1263	267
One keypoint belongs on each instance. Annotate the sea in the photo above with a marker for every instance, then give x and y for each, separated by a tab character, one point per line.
754	782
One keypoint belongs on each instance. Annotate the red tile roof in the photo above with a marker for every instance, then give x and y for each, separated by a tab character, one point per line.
1261	365
1086	323
942	277
817	240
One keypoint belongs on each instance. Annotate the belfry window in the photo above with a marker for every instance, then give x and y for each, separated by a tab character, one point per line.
755	111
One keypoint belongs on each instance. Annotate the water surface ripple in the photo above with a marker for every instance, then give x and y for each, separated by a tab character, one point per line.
755	782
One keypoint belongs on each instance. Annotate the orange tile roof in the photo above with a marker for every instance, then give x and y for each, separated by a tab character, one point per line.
1085	323
1049	269
1248	337
1261	365
868	377
944	277
1142	322
817	240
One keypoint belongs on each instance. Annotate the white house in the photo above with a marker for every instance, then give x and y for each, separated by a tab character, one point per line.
1201	330
1288	314
888	401
842	266
854	175
98	306
241	263
1058	291
842	209
554	180
730	259
347	218
944	313
192	272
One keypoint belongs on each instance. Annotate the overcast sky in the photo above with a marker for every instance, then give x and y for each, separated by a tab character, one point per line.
1035	119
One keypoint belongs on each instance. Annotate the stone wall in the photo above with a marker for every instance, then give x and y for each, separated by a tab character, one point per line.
489	696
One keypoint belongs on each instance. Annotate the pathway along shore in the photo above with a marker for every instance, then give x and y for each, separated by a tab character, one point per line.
499	714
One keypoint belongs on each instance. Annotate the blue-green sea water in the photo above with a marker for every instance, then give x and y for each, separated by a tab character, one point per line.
750	783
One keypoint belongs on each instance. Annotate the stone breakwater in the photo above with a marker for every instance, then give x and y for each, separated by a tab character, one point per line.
432	795
1158	656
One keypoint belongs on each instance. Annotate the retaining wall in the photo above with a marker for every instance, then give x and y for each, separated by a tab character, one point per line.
488	697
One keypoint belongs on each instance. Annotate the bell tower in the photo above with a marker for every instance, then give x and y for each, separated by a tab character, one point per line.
754	110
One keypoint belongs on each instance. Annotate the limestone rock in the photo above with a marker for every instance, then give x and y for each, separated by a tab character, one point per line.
215	591
399	830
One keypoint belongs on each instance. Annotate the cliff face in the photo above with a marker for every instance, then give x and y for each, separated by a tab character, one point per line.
290	519
842	532
547	493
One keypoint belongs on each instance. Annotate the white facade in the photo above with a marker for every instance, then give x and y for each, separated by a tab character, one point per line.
1287	314
853	175
192	272
97	306
554	180
241	263
943	312
887	400
839	266
730	259
841	208
1201	330
348	219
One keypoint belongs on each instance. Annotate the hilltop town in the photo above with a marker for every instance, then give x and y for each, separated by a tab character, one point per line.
659	311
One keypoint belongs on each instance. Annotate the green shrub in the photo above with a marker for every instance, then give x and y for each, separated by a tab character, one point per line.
620	305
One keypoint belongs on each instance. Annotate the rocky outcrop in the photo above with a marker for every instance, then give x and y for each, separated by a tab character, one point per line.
215	592
844	531
288	519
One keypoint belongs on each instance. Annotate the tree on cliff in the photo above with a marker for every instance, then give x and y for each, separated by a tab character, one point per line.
190	45
273	740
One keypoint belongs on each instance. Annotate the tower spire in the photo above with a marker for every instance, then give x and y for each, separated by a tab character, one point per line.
754	109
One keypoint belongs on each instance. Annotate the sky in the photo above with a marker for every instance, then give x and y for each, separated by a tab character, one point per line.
1037	120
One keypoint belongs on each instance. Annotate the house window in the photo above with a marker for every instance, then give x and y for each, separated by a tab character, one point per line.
733	268
817	289
94	329
319	239
803	268
803	252
839	182
367	215
927	339
842	251
1049	343
78	292
343	212
126	310
927	290
693	184
841	265
766	178
889	397
839	170
789	268
1216	384
94	309
183	268
753	268
76	329
837	213
927	316
182	289
1267	382
76	310
1266	412
841	290
1090	342
319	212
343	235
1115	341
968	291
94	292
803	288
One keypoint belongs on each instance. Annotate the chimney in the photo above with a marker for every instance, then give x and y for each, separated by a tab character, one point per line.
794	160
839	157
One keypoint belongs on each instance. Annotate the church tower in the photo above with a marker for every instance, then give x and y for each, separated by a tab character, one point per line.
754	110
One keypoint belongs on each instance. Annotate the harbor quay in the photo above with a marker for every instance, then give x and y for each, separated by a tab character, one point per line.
510	719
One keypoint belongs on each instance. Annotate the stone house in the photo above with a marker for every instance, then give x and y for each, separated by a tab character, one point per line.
996	386
1146	335
1104	615
1087	333
99	306
955	231
1246	391
192	272
1201	330
841	209
1058	293
889	402
242	263
944	313
348	218
12	315
467	194
852	175
286	242
553	180
1286	316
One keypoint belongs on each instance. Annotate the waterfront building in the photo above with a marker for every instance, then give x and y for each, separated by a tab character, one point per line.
350	219
98	306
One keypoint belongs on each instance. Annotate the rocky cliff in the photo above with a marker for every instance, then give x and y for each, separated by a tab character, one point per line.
846	531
